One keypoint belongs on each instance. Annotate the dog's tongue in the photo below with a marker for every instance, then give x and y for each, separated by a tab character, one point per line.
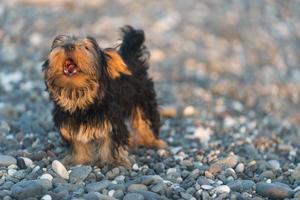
70	68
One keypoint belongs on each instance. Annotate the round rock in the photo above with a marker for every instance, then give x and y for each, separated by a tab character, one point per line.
5	160
221	189
80	173
26	189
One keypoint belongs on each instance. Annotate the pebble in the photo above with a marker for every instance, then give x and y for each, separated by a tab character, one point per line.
150	195
97	196
162	153
207	187
296	174
111	193
241	185
26	189
160	187
134	196
150	179
60	169
136	187
47	177
230	172
230	161
5	160
189	111
175	150
274	190
11	172
120	178
98	186
240	168
79	173
221	189
46	197
135	167
171	170
113	173
46	184
275	165
28	161
119	194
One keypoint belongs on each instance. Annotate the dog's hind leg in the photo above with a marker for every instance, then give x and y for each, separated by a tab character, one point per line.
144	133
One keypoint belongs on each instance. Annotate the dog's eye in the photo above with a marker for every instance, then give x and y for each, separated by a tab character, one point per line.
86	48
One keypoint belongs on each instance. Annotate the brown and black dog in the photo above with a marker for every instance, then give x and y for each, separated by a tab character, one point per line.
96	90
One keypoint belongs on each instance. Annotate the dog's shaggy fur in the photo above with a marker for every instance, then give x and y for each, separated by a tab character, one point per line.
95	91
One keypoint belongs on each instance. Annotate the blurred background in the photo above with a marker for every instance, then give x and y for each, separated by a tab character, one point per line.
212	61
226	73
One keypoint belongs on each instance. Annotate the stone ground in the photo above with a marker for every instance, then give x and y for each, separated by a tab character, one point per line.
228	81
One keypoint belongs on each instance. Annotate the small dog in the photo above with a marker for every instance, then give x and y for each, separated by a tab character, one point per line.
95	91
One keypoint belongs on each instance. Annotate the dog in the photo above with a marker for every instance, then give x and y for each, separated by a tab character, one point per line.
96	92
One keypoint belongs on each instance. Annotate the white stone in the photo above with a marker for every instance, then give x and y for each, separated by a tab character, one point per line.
189	111
274	164
28	162
13	166
111	193
222	189
46	197
171	170
203	134
47	176
60	169
207	187
229	122
297	189
11	172
240	168
135	167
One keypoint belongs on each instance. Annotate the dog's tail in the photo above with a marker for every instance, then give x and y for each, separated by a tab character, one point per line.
132	49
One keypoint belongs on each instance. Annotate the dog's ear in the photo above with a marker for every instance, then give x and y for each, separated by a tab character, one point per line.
58	39
94	43
115	64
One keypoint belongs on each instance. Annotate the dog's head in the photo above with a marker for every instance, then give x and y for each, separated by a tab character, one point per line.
77	70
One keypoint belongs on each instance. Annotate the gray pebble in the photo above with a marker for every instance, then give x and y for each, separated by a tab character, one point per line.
274	190
5	160
275	165
135	187
113	173
150	195
98	186
150	179
241	185
133	196
26	189
97	196
159	188
79	173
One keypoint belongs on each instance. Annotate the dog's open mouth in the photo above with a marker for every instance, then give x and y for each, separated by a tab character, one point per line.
70	68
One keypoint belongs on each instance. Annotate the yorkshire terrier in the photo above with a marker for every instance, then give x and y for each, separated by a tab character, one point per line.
95	91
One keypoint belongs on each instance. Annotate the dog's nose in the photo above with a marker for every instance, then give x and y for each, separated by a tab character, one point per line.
69	47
